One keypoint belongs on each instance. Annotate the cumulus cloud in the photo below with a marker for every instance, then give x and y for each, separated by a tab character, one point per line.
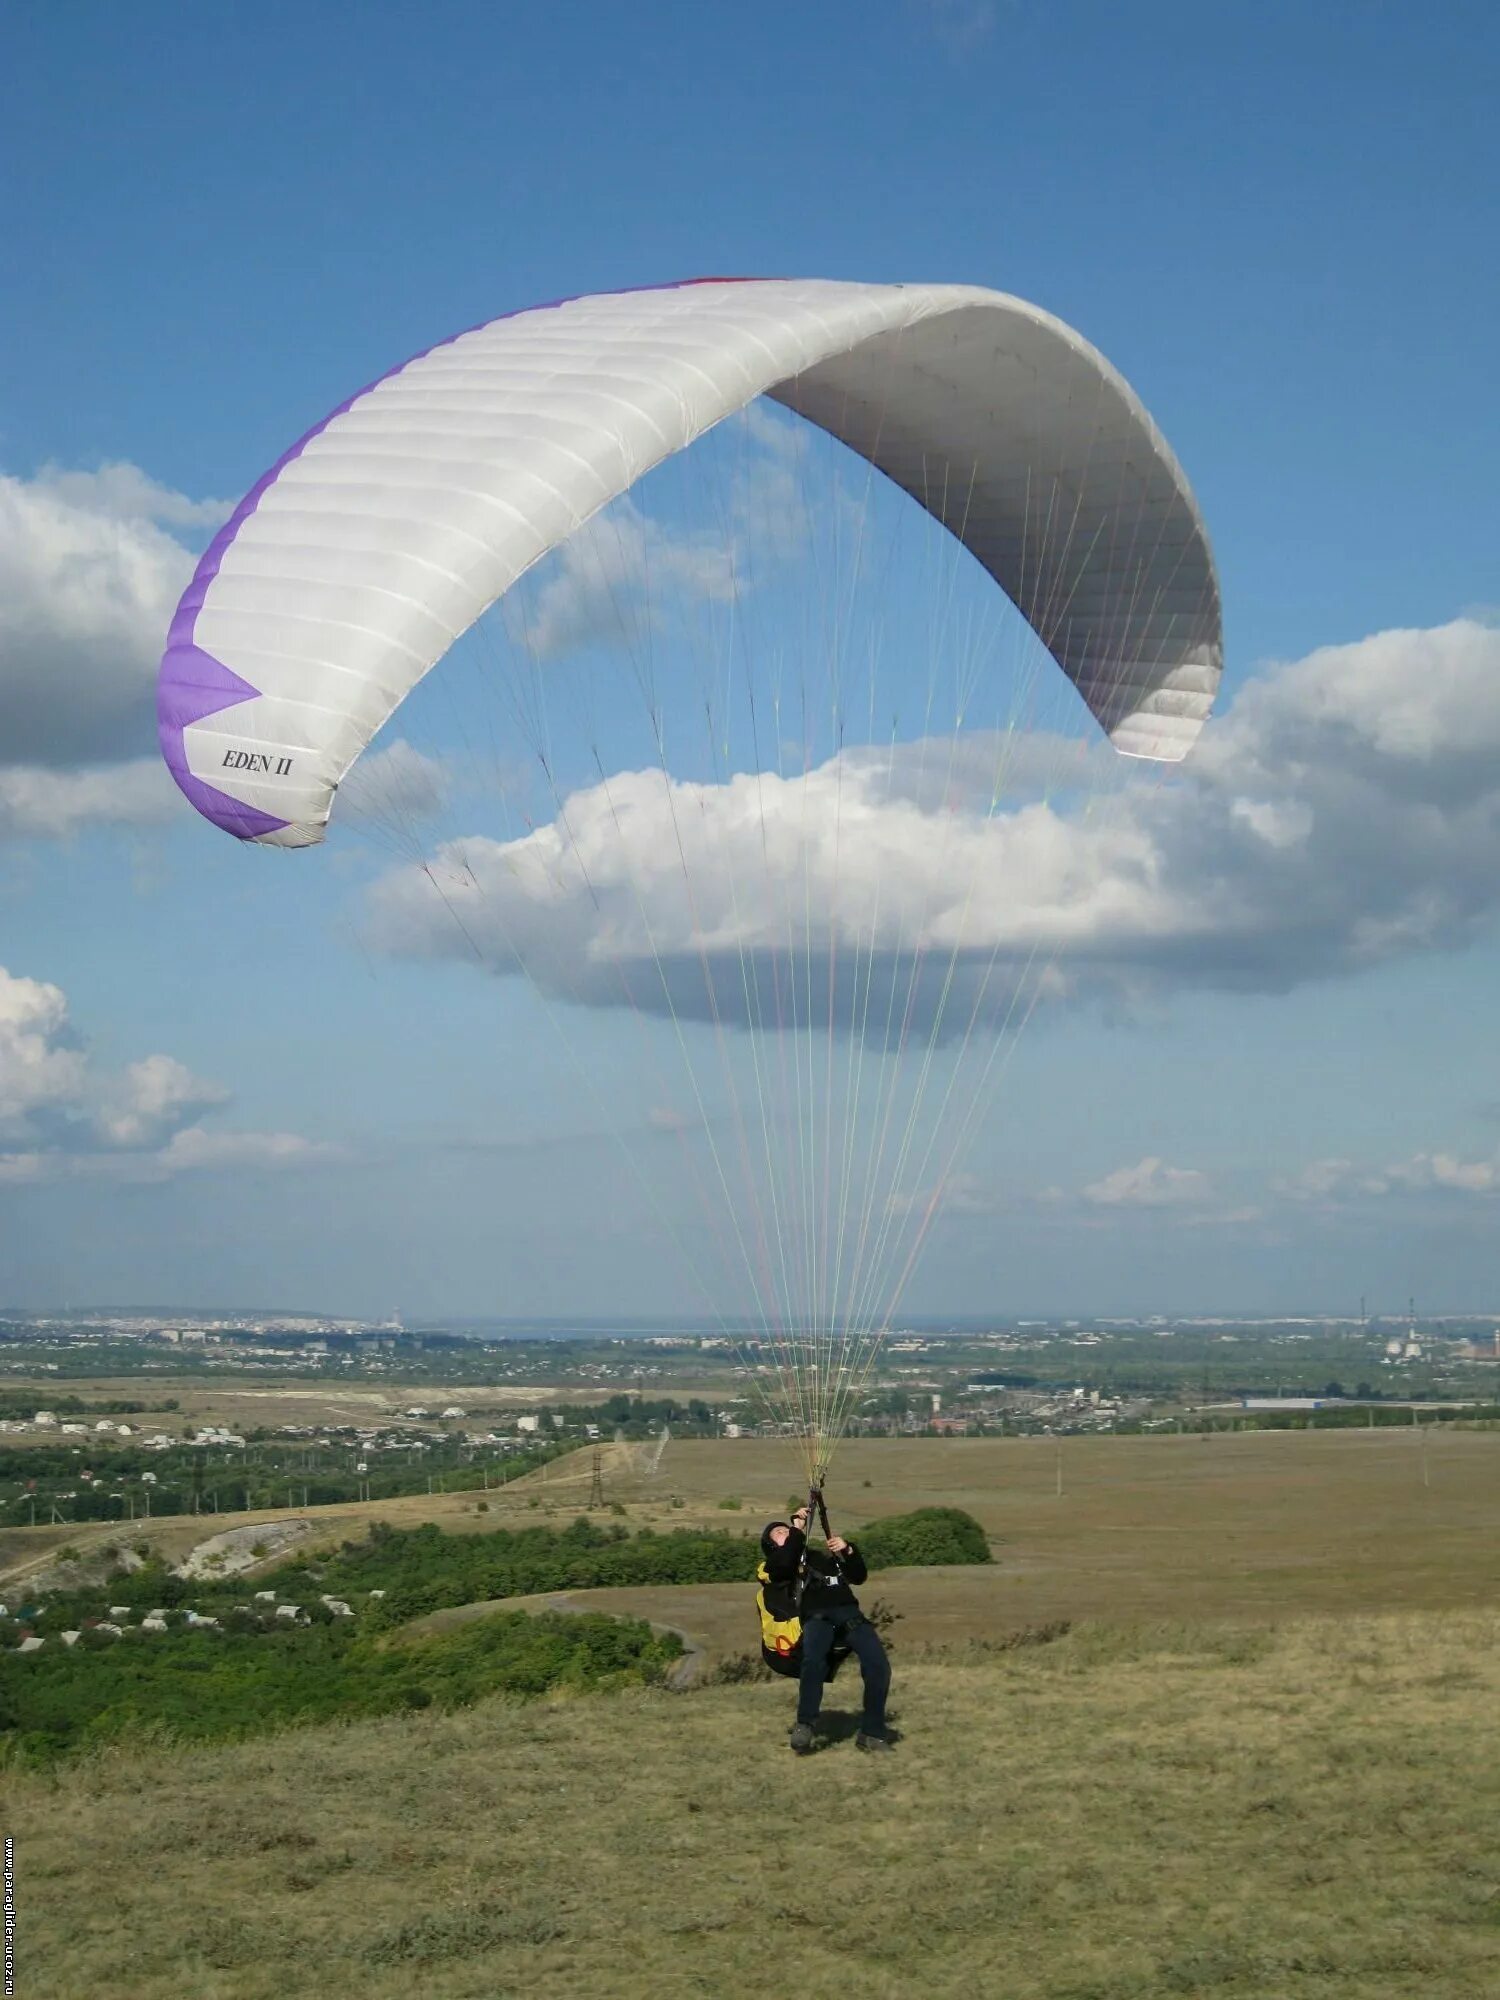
47	804
1338	1181
1343	812
62	1117
1150	1183
150	1101
609	582
42	1065
89	576
627	576
398	782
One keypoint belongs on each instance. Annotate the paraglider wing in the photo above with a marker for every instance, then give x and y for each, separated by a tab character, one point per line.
353	565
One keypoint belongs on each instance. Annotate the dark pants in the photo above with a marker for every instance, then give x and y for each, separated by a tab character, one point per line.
819	1635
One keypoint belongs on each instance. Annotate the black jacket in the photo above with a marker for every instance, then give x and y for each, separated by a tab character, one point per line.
826	1581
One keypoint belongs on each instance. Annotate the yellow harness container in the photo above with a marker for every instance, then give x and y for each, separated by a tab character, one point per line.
780	1626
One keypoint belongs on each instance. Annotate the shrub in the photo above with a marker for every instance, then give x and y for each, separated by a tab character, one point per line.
930	1535
731	1503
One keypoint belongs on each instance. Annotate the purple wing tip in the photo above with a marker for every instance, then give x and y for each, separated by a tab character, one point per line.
192	685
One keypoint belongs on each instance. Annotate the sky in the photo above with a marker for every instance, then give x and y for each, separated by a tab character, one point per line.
1268	1083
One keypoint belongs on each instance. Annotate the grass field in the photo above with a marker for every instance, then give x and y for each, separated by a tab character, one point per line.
1260	1765
1124	1814
1248	1524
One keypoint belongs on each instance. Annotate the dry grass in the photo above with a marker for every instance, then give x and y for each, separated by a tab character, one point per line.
1246	1525
1124	1814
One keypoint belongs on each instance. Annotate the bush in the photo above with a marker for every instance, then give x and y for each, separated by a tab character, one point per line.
731	1503
929	1536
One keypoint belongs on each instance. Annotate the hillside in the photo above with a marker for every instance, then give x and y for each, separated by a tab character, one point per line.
1119	1814
1237	1526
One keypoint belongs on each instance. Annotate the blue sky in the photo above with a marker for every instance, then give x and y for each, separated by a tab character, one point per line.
1277	221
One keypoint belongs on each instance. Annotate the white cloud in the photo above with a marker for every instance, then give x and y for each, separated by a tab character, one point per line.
42	1066
627	576
89	578
150	1101
196	1150
1443	1170
1339	1181
1343	812
63	1118
1150	1183
610	583
399	782
960	25
36	803
119	491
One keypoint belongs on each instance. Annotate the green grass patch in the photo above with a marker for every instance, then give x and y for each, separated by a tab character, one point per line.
198	1687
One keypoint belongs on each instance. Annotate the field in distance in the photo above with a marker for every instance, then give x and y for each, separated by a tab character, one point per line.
1238	1525
1249	1525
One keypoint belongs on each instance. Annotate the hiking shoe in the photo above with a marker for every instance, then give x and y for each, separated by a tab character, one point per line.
801	1738
864	1741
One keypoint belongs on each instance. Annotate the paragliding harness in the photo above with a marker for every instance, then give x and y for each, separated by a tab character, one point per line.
780	1608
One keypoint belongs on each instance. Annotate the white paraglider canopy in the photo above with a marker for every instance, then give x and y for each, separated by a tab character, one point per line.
350	569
